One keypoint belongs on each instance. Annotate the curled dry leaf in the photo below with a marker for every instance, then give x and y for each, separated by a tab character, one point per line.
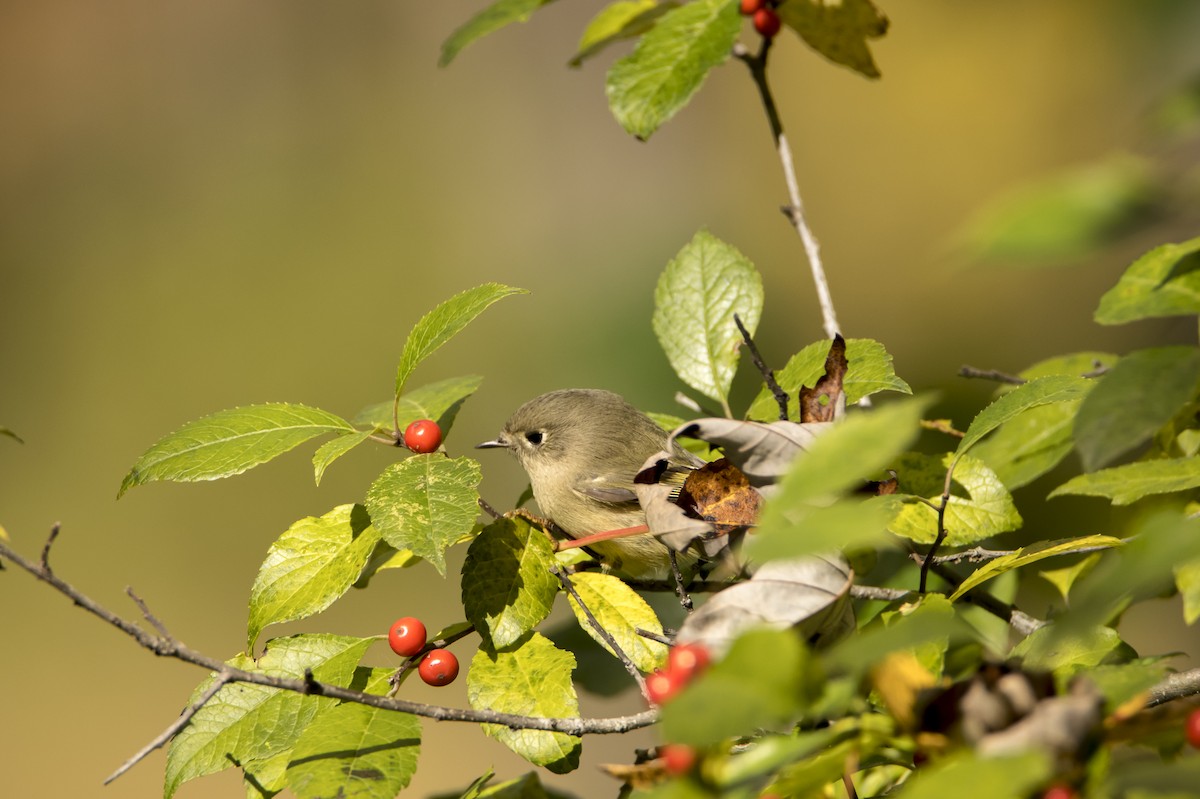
811	594
762	451
718	492
826	401
666	519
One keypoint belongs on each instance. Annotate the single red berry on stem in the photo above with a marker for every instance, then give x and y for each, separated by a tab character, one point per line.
748	7
1060	792
1191	728
438	667
766	22
407	636
661	686
423	436
677	758
685	661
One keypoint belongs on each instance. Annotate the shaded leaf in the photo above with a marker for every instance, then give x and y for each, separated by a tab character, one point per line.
507	587
694	303
1031	554
670	63
931	624
1141	393
988	509
438	401
230	442
763	452
354	751
869	371
624	19
1036	392
532	679
425	504
525	787
331	450
1050	648
620	611
1187	580
498	15
1064	578
800	530
988	777
384	557
1163	282
441	324
1133	481
227	729
838	30
312	564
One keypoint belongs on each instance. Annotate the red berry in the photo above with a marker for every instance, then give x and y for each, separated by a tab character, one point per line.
1060	791
423	435
748	7
438	667
766	22
685	661
407	636
677	758
661	686
1191	728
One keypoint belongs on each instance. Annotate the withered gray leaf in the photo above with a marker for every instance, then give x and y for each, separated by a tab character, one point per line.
763	451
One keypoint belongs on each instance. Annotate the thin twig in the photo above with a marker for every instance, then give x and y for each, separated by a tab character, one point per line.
990	374
221	680
412	662
794	211
488	509
616	649
653	636
941	527
46	547
680	591
781	397
150	617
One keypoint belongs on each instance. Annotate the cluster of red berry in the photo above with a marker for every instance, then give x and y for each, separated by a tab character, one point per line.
423	436
766	21
684	662
408	638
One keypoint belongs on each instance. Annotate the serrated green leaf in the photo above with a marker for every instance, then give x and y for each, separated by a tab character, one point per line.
1065	215
1140	394
763	682
620	611
230	442
246	722
1063	579
425	504
838	31
442	323
869	370
507	587
1163	282
987	511
670	63
1127	484
531	679
1035	393
1031	554
694	304
1187	581
353	751
312	564
496	16
265	778
331	450
624	19
993	777
438	401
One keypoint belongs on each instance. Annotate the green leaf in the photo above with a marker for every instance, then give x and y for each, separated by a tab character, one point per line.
230	442
764	682
309	567
1127	484
988	511
1050	648
1064	578
230	727
869	371
524	787
507	587
532	679
353	751
694	303
442	323
797	530
1031	554
425	504
931	625
265	778
1031	444
331	450
624	19
995	777
670	63
1163	282
1138	396
1037	392
496	16
1187	580
438	401
1063	216
838	31
1121	683
620	611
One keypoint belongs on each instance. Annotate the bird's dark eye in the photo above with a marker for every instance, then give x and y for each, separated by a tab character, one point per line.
534	437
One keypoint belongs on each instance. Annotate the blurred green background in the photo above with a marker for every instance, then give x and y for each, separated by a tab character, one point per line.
208	204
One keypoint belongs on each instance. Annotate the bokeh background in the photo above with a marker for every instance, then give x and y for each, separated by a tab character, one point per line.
208	204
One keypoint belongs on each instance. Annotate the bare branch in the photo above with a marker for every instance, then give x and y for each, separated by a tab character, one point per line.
1176	686
781	397
990	374
150	617
46	547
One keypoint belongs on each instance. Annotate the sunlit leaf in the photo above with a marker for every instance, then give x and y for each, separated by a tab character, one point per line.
624	19
1187	580
496	16
1037	392
988	777
1031	554
335	448
1133	481
621	612
438	401
988	509
1064	578
1163	282
507	587
838	30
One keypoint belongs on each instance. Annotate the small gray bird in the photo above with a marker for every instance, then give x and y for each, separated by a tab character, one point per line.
581	449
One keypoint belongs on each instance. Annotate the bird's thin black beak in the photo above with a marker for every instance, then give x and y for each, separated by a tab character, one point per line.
499	442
